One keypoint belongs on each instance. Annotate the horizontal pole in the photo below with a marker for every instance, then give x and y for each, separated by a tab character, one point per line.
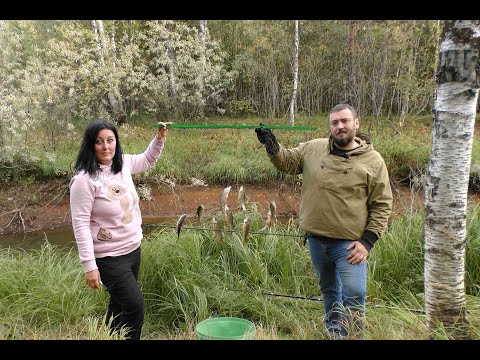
223	230
230	126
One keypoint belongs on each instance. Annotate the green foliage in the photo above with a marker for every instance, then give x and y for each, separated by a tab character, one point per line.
238	108
55	70
42	290
395	268
472	252
269	281
219	156
403	157
30	164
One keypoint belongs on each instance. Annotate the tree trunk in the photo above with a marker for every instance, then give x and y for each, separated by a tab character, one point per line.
448	175
170	69
113	95
293	101
352	89
201	75
172	88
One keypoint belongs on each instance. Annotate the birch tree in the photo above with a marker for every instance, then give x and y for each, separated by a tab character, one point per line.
448	175
201	74
293	101
106	52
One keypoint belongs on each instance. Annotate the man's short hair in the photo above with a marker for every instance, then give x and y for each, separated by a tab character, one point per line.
340	107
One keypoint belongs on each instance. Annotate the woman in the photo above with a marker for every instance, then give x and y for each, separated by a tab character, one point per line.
106	219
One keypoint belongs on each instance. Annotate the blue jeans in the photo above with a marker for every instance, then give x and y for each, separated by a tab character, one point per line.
343	285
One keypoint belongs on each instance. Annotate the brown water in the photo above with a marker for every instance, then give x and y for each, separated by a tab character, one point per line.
165	209
63	237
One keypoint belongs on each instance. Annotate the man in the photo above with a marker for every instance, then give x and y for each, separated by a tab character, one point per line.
346	201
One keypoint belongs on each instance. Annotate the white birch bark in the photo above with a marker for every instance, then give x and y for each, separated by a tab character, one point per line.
101	56
171	74
201	75
170	66
448	176
293	101
113	95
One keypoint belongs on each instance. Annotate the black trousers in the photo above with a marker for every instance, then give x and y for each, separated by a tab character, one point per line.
126	307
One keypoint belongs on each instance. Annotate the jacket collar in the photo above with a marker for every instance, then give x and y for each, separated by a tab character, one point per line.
364	141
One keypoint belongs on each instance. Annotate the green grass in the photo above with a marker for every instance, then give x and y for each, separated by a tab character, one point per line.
217	156
188	279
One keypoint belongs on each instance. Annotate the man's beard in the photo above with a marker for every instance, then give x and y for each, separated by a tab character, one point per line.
343	141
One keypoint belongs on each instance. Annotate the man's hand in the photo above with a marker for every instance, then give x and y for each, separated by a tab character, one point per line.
267	138
264	134
359	253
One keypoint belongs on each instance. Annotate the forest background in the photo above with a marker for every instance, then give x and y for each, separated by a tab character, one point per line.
56	75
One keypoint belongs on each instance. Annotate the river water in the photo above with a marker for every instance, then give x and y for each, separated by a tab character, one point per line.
163	211
63	237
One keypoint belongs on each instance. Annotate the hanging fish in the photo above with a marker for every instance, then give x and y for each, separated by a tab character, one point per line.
200	210
217	231
180	223
223	198
268	222
229	217
242	198
273	209
245	231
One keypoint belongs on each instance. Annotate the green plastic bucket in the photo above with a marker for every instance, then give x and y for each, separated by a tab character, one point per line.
225	328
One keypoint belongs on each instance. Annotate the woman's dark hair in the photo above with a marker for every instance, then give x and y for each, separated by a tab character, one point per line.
86	159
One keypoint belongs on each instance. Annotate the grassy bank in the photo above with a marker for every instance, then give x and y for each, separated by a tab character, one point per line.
269	281
221	156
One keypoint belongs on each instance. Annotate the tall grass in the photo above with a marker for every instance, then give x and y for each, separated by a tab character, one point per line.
269	281
221	156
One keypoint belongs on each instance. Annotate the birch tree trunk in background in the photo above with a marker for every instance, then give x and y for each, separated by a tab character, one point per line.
105	55
201	75
351	88
448	177
293	101
170	70
1	92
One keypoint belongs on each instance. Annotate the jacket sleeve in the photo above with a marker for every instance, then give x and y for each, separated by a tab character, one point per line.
380	201
289	161
146	160
82	196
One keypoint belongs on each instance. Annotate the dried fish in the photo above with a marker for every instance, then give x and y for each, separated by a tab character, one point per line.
217	231
229	217
223	198
268	222
180	223
245	231
200	210
242	198
273	209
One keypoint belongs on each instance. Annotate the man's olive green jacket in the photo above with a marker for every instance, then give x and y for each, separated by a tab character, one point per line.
340	197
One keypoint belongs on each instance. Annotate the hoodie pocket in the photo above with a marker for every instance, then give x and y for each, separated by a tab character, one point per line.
104	235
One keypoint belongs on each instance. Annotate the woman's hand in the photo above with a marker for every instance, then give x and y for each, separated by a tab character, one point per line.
162	130
92	279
